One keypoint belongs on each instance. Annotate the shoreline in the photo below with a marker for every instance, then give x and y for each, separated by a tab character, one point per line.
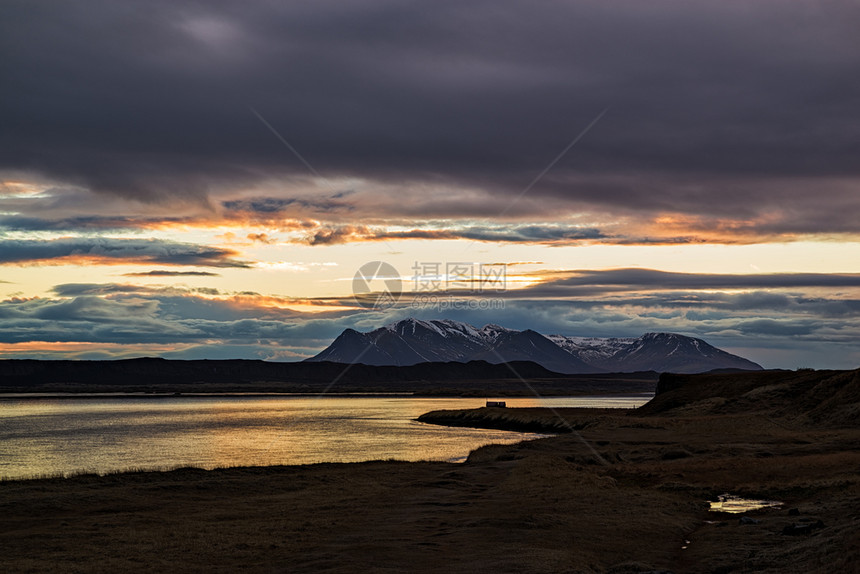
251	394
519	419
627	493
541	430
190	395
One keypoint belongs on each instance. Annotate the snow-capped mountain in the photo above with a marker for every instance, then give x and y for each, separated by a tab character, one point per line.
412	341
662	352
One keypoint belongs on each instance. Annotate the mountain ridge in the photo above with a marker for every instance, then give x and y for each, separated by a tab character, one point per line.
411	341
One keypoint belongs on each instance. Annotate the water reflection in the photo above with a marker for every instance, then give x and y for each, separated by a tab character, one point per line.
736	504
48	437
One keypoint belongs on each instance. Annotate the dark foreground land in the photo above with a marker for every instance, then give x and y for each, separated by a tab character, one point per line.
163	376
618	493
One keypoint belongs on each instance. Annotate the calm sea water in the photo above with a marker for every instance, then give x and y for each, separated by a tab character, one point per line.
66	436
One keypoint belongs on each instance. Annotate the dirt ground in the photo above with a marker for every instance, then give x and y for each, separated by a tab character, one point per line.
625	494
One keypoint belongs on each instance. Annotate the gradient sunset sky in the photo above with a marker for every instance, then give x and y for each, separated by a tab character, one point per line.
203	179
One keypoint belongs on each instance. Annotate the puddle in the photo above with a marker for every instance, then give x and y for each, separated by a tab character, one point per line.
736	504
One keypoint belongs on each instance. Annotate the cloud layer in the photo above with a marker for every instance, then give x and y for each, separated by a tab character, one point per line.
114	251
779	320
740	116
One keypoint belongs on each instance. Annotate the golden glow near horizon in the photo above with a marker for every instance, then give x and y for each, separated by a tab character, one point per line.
256	287
300	271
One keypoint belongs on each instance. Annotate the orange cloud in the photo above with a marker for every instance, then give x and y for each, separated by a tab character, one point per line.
262	238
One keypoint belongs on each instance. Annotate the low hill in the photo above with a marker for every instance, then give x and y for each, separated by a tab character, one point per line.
824	398
162	375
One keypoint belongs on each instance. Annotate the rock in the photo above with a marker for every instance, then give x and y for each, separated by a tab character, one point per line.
797	529
748	520
801	529
794	512
675	454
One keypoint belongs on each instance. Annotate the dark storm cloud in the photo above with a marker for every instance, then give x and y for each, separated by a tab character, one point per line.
533	234
628	279
548	234
709	101
86	223
116	251
696	306
275	205
75	289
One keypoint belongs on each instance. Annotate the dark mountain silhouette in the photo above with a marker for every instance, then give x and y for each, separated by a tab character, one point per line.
530	345
473	378
155	371
412	341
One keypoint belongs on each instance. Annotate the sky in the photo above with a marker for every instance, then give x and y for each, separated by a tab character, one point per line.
205	179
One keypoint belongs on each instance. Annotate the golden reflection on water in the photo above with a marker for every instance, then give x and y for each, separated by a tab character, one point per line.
49	437
736	505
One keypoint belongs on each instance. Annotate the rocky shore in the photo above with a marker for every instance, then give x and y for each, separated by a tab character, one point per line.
537	420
